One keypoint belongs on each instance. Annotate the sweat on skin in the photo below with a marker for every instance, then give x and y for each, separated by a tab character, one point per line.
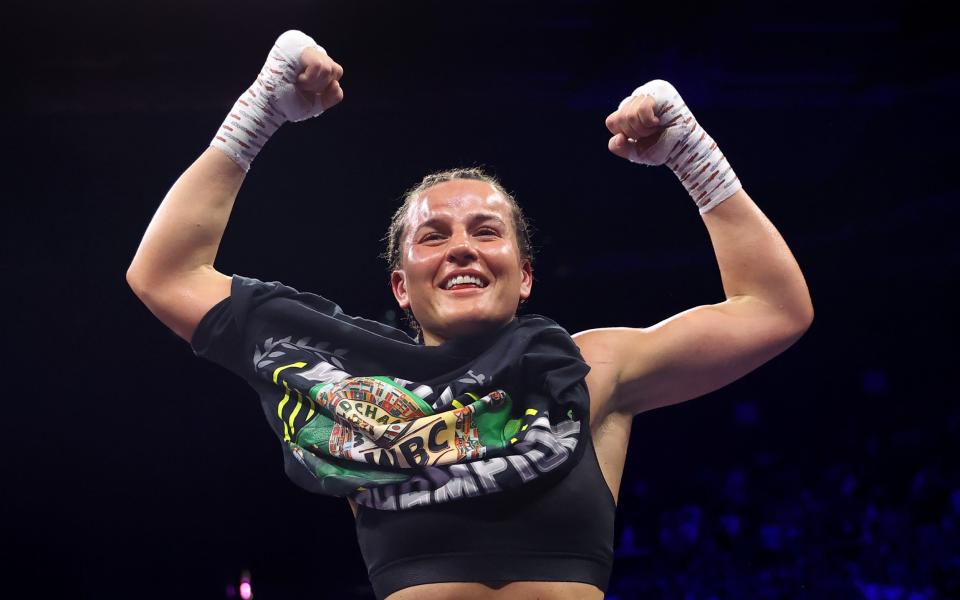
460	227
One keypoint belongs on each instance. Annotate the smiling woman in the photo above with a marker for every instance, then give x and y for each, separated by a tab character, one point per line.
459	269
472	457
399	223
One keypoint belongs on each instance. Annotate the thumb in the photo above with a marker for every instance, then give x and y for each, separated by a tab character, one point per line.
331	95
622	147
306	74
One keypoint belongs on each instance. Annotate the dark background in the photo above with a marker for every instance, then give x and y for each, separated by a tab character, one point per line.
132	469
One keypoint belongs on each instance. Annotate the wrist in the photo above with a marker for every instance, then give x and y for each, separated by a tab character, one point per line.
268	103
247	127
704	171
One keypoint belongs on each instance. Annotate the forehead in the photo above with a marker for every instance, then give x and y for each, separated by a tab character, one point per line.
456	199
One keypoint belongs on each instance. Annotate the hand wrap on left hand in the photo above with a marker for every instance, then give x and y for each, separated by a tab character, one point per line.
683	145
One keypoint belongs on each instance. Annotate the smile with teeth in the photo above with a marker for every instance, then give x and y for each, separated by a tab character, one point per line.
461	281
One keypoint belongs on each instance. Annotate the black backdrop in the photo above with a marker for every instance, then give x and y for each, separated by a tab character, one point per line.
132	469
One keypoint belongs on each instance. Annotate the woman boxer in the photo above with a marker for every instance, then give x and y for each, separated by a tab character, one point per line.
483	459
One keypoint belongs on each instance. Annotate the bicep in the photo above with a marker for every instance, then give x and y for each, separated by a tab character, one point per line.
692	353
180	301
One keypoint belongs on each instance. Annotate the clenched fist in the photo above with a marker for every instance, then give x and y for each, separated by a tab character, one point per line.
653	126
647	125
635	126
319	77
300	78
298	81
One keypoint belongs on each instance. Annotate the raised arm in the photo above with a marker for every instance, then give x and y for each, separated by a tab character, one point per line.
172	271
767	306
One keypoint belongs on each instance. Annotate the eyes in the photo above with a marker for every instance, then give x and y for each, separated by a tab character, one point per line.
484	232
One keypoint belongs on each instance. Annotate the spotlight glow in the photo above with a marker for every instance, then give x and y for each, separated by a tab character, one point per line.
246	592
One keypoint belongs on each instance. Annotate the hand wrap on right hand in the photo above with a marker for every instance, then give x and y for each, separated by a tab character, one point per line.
271	101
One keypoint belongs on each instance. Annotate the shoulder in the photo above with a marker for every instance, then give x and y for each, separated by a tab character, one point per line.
603	351
598	344
607	349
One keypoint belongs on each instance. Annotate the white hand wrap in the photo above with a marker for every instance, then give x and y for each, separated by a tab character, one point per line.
271	101
686	148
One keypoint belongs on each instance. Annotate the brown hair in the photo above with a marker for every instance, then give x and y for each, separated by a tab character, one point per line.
398	223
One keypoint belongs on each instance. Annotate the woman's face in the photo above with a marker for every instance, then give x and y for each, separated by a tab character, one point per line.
461	269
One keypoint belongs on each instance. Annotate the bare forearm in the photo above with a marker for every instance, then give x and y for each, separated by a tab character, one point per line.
186	230
754	259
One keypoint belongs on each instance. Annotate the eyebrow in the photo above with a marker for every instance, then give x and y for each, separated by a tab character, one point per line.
472	220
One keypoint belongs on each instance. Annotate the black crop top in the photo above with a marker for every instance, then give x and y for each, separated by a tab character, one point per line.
554	530
556	526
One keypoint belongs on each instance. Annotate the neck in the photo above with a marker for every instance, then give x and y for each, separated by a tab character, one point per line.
432	339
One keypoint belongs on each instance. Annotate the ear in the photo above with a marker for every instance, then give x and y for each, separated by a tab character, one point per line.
526	279
398	284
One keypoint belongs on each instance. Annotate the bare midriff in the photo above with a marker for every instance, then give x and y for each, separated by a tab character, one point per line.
512	590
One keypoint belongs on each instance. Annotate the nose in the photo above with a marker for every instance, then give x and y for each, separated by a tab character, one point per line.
461	249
